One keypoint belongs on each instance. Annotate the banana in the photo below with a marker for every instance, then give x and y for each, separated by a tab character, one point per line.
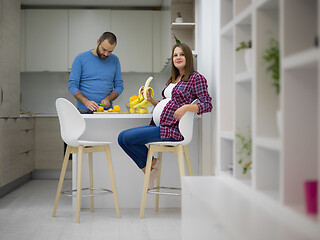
137	101
145	104
141	101
146	85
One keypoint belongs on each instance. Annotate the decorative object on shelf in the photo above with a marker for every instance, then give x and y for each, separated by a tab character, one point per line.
179	18
247	47
272	55
310	190
177	40
244	146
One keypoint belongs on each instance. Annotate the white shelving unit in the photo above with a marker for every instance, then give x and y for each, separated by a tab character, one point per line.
185	31
285	151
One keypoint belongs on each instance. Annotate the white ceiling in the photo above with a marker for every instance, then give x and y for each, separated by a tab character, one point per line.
94	3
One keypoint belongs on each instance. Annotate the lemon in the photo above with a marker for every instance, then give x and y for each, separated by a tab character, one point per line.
100	109
117	108
110	110
132	98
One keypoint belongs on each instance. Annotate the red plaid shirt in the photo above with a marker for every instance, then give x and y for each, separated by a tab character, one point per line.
184	93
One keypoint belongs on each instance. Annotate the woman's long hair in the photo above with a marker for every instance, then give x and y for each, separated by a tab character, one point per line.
189	63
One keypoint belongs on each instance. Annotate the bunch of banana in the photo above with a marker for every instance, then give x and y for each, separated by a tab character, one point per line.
140	104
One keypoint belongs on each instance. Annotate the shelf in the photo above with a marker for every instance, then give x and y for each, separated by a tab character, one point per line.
243	77
176	26
227	165
226	7
269	143
242	7
227	30
227	135
267	170
267	4
245	17
300	26
283	125
304	59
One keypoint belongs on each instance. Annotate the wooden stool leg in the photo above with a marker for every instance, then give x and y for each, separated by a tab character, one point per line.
146	181
62	174
187	157
91	181
79	182
158	184
180	161
113	183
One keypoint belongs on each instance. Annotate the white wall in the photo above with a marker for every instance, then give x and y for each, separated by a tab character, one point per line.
40	89
207	15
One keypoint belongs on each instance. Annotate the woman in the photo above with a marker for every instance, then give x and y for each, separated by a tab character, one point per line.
184	86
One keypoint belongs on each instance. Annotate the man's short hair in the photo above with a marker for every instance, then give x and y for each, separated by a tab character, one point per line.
112	39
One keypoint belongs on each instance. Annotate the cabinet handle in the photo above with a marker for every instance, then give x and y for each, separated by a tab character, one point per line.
1	96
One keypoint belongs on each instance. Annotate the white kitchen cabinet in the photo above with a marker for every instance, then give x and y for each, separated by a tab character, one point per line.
26	145
49	147
16	148
85	28
10	58
134	33
46	40
9	154
285	150
23	40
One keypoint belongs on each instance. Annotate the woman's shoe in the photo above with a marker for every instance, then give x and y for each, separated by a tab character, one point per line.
153	175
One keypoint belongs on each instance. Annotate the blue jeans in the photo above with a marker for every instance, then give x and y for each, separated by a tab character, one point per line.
133	141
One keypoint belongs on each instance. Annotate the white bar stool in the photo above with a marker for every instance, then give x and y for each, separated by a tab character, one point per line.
72	126
179	147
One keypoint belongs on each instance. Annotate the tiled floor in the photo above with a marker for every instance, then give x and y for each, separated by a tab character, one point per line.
26	214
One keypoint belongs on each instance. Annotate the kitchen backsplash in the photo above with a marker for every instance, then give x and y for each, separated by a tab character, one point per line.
39	90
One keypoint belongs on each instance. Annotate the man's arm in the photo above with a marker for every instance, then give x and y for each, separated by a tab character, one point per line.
111	97
92	105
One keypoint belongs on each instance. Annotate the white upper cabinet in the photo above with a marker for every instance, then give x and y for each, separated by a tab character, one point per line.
46	40
9	58
23	41
85	27
134	34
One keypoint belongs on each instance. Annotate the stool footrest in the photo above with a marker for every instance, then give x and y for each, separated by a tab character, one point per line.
98	192
157	190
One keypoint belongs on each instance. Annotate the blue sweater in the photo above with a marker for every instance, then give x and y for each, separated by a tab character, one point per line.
95	78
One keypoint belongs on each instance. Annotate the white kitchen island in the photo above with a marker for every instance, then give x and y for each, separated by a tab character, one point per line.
129	178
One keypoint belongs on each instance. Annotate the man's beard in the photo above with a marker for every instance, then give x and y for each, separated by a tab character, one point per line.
103	57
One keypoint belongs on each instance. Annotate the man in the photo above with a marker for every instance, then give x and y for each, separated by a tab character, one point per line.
95	76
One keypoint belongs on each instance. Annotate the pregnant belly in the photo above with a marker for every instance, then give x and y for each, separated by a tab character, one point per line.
158	110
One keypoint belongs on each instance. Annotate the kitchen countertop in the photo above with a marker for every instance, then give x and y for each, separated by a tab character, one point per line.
96	116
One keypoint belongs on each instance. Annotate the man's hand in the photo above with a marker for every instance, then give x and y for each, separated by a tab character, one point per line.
92	105
106	103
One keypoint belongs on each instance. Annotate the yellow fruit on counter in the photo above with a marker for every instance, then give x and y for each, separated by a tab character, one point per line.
143	110
117	108
100	109
110	110
132	110
132	98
